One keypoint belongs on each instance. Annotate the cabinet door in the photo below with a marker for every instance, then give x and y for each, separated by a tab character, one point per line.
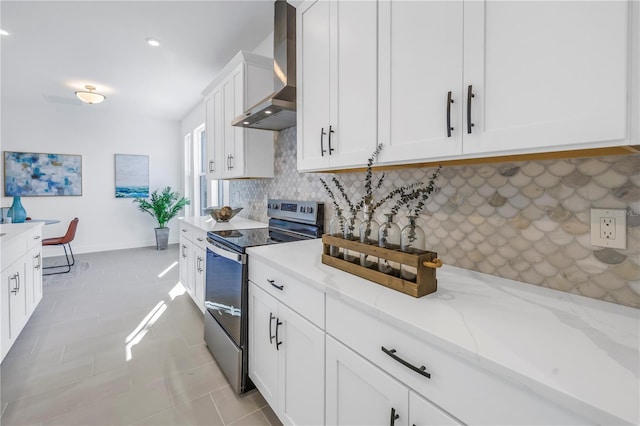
232	88
263	357
300	370
313	62
358	393
33	279
424	413
186	269
200	256
354	80
545	74
14	287
214	129
420	63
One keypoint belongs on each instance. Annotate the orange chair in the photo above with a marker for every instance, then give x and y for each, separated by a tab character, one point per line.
63	241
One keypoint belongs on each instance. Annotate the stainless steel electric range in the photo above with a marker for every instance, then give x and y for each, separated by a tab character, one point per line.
226	288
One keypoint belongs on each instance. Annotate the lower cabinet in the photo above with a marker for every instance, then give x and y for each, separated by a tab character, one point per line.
359	393
20	284
286	359
193	256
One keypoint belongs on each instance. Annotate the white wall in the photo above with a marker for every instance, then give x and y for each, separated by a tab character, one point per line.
106	223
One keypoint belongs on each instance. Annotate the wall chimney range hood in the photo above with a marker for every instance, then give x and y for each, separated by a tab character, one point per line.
278	110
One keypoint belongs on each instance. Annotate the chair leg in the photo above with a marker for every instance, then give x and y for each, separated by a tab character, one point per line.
68	265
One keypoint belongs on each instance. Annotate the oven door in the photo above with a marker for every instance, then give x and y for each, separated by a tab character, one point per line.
225	279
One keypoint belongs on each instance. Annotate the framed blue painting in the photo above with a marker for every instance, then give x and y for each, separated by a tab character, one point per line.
132	176
30	174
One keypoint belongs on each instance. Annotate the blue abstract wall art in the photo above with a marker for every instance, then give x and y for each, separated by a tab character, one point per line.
30	174
132	176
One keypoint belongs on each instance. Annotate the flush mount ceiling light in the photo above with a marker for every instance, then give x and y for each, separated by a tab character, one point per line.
3	32
152	42
89	96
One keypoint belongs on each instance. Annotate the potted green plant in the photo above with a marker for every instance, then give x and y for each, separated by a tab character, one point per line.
163	207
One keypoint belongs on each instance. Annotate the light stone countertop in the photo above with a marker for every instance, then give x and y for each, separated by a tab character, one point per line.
13	230
206	223
580	352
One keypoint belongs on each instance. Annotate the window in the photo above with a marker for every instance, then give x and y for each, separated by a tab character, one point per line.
197	188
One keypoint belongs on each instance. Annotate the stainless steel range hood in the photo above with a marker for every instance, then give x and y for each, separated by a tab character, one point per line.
278	110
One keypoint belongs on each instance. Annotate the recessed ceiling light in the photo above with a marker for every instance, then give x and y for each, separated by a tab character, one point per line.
153	42
3	32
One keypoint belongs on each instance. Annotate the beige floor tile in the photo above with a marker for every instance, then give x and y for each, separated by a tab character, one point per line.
254	419
271	416
200	411
188	385
121	409
33	383
233	407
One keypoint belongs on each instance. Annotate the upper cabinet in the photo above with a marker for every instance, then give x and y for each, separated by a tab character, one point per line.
236	152
440	80
337	99
544	74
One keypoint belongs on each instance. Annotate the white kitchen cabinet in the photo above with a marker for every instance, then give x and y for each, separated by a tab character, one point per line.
545	75
237	152
460	79
20	279
186	261
358	393
193	258
286	360
420	44
467	391
337	83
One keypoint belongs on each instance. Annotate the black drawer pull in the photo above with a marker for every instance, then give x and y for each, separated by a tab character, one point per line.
394	417
271	336
322	133
278	342
449	102
273	283
420	370
469	96
330	133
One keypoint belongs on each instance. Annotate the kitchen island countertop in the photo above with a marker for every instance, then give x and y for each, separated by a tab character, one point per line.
579	352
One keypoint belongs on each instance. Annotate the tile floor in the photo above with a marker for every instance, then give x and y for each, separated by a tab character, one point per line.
115	342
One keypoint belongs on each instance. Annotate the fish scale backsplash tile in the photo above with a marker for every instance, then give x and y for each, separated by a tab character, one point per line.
527	221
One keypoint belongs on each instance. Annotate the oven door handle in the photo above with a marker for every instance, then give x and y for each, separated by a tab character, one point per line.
223	252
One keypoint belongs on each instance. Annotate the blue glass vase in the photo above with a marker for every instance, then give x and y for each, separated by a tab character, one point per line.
17	213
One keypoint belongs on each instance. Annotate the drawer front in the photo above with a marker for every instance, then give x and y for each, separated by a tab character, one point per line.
470	393
34	237
300	297
194	234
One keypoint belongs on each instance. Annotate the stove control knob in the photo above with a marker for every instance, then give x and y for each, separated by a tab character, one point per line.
309	209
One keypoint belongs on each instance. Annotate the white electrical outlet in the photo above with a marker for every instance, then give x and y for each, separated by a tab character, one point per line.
609	228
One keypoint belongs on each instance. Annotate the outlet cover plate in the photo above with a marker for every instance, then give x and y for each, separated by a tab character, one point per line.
618	219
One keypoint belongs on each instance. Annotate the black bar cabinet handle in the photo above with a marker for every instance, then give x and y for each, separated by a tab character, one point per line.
420	370
330	132
394	417
322	133
449	102
278	342
273	283
271	336
469	96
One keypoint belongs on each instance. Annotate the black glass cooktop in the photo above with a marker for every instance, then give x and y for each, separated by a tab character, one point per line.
243	238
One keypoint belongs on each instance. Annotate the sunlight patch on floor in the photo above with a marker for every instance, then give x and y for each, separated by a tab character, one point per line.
142	328
163	273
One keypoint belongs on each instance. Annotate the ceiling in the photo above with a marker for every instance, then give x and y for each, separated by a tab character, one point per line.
57	47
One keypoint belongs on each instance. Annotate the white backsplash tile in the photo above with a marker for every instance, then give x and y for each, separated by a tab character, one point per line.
527	221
